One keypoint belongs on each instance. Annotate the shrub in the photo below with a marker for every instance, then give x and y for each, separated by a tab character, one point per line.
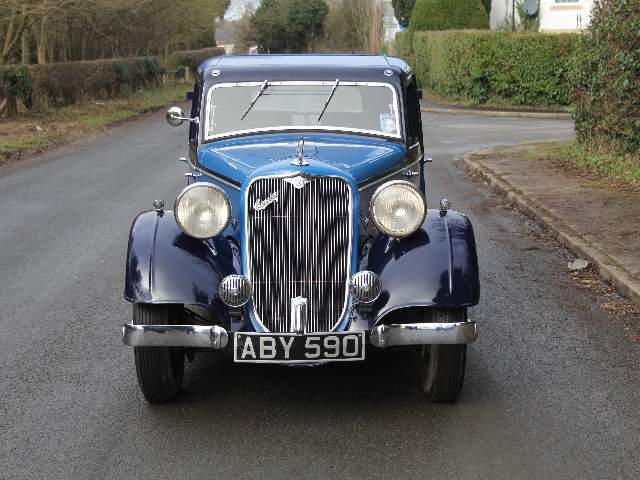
192	58
520	69
448	15
606	77
403	10
15	83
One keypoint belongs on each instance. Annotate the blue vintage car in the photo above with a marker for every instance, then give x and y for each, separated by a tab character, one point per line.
303	236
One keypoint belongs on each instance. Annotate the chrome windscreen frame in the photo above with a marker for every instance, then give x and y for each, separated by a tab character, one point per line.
246	252
320	128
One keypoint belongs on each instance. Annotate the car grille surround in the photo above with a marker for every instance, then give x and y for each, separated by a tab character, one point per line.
299	244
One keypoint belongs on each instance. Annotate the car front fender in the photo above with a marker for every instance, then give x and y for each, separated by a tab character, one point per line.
164	265
435	267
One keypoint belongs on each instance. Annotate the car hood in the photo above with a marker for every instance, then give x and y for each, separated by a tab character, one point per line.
358	157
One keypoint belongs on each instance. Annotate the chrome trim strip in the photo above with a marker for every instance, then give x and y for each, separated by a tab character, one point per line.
423	334
212	174
313	321
199	336
399	171
205	109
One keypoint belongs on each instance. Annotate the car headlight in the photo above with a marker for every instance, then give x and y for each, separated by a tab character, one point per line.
202	210
398	208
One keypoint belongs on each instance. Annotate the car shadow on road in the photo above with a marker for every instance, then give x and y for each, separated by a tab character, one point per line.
383	377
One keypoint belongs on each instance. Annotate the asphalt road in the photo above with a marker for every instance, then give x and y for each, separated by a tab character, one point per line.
552	388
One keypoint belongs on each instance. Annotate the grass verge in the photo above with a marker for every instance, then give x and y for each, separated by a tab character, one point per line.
611	168
35	132
494	103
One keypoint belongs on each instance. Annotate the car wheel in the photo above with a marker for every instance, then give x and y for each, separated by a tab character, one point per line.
441	367
160	369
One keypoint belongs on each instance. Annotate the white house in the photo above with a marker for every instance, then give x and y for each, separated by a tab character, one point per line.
565	15
555	15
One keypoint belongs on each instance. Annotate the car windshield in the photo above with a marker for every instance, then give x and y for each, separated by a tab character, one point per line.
270	106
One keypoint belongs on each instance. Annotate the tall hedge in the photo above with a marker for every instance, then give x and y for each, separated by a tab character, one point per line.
192	58
518	69
404	46
448	15
606	77
56	84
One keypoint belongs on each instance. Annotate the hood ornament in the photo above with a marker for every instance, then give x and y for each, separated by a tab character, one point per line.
300	161
262	204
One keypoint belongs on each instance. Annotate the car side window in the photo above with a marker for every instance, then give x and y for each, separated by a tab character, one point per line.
414	121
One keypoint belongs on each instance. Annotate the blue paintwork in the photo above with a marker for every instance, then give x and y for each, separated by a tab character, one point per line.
359	157
164	265
435	267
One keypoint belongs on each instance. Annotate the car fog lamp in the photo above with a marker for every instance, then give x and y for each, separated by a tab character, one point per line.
398	208
235	290
202	210
365	287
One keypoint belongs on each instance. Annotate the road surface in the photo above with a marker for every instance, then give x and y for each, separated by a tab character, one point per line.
552	387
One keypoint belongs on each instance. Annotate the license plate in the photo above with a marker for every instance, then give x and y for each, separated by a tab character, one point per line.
292	348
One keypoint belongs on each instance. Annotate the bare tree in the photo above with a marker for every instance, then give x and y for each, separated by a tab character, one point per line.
60	30
354	26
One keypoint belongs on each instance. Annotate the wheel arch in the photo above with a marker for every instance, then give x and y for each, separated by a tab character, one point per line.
436	267
166	266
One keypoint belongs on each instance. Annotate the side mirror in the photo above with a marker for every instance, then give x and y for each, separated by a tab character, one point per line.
175	116
419	94
191	95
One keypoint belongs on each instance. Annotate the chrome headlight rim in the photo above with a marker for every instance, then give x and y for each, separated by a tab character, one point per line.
377	193
193	186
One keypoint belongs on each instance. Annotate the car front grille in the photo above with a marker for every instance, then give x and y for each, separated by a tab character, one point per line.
298	242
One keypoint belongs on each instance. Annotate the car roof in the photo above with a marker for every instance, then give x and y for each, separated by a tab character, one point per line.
238	68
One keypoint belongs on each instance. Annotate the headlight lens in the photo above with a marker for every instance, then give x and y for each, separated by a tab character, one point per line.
202	210
398	208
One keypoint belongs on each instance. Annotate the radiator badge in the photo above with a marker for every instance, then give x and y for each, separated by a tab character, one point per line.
298	182
262	204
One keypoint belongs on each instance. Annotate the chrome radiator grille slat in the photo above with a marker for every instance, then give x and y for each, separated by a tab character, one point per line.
299	245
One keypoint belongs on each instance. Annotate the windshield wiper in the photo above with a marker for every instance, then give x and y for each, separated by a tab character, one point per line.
264	86
326	104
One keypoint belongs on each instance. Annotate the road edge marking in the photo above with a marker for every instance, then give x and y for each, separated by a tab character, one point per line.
498	113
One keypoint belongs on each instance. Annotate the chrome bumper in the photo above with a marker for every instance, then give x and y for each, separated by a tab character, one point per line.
423	334
201	336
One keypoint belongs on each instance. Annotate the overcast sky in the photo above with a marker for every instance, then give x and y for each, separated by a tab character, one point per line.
236	8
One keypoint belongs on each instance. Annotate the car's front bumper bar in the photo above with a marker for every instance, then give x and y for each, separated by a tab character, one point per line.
199	336
423	334
205	336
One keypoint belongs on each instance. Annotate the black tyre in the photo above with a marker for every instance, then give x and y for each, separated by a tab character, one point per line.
160	369
441	367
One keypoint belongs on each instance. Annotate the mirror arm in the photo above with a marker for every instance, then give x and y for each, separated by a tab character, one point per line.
195	120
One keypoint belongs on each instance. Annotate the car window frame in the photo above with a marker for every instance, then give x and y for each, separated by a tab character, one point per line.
205	138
